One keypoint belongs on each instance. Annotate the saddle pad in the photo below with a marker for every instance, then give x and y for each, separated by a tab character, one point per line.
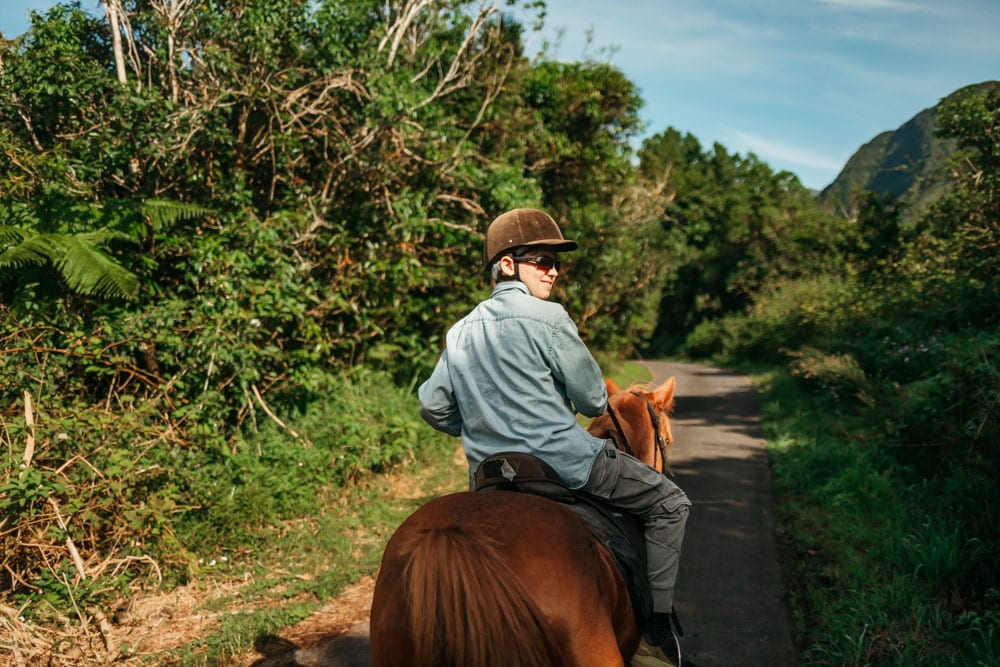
621	534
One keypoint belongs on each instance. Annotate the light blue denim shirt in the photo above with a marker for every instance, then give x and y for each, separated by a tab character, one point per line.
513	372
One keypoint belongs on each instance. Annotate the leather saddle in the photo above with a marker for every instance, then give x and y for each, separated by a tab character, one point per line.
621	533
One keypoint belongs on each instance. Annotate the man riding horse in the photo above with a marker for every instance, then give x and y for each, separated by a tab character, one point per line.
512	376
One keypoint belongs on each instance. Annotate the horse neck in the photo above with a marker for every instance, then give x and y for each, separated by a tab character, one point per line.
629	428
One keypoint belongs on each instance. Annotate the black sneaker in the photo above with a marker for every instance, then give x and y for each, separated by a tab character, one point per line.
662	631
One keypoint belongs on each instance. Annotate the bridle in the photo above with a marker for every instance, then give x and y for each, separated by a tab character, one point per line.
661	442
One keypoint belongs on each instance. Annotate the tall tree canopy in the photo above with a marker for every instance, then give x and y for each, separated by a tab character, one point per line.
736	228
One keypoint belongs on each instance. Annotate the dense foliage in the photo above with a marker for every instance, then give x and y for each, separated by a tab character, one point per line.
233	233
215	217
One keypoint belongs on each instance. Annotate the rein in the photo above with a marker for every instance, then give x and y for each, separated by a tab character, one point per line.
661	442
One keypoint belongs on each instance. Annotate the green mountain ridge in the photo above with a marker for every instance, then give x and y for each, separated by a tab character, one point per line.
910	163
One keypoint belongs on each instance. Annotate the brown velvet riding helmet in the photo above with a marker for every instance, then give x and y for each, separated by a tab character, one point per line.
523	227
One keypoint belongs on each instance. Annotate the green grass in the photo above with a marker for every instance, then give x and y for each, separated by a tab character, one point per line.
307	562
626	373
876	552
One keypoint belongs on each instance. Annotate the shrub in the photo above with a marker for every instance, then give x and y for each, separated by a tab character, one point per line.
837	374
98	499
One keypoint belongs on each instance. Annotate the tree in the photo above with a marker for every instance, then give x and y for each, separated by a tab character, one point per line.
576	133
733	227
960	236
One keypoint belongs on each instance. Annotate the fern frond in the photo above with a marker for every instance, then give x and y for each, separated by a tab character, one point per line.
78	259
162	212
89	271
12	235
32	250
102	237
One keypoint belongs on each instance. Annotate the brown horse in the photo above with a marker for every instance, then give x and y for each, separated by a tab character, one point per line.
505	578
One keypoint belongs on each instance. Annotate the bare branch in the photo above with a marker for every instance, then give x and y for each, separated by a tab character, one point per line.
172	12
470	205
29	420
396	31
460	70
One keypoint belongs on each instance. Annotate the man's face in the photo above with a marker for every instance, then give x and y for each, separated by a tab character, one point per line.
537	269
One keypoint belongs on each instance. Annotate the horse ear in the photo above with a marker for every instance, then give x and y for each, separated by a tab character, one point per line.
663	396
611	386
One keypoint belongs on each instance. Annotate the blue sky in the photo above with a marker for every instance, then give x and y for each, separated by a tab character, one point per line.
802	84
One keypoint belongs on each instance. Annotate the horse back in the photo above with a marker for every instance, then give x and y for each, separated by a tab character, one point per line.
476	578
619	532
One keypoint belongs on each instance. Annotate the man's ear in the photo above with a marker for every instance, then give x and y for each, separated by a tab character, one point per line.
507	265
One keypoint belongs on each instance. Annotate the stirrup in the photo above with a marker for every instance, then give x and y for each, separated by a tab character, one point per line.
664	641
672	649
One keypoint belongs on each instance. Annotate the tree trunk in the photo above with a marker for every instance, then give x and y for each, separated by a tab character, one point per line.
112	9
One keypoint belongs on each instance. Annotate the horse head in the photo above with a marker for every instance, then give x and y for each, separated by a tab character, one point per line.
637	421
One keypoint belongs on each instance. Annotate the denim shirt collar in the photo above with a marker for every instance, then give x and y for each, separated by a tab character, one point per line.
510	285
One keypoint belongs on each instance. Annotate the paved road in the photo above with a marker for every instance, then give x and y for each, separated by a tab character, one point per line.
729	593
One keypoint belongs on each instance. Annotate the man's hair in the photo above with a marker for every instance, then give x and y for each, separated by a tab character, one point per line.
495	271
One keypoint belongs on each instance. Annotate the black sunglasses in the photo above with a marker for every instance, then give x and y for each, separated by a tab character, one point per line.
544	263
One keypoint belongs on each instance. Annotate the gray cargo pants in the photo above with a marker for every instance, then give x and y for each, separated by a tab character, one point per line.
629	484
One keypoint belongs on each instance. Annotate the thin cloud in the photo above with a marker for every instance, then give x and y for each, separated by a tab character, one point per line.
872	4
784	152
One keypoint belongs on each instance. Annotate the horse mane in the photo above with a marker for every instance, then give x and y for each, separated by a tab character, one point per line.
451	576
648	388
